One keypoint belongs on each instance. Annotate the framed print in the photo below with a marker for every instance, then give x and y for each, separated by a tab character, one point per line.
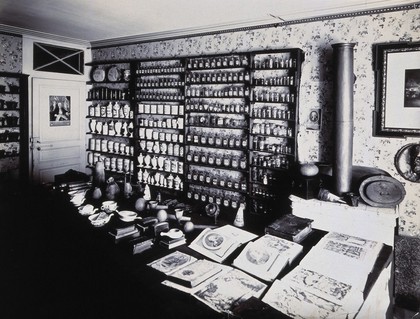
314	119
59	110
397	71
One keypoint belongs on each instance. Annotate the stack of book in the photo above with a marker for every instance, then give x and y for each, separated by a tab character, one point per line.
122	233
77	186
290	227
172	242
141	244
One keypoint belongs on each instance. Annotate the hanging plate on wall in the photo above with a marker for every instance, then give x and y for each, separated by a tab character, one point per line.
114	74
407	162
98	74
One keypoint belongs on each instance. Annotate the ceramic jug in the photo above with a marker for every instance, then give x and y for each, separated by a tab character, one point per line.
117	127
92	125
99	174
112	189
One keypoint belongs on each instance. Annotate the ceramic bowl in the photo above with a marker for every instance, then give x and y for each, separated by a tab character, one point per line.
153	204
127	215
87	210
78	200
100	219
109	206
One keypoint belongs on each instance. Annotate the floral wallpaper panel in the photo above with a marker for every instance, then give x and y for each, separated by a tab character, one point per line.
316	39
10	53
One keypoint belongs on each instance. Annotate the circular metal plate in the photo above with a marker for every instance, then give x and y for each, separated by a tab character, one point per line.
382	191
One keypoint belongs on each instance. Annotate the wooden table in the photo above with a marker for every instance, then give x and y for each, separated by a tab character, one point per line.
101	279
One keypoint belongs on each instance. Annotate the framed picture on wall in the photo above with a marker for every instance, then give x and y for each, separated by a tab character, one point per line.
59	110
397	102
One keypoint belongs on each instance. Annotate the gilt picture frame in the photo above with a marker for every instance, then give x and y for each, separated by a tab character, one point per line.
397	89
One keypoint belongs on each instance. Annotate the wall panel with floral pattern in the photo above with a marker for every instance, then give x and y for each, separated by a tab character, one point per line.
10	61
315	39
10	53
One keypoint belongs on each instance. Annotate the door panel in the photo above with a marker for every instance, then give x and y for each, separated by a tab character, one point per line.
58	140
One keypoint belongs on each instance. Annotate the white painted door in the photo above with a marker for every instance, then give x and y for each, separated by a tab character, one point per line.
58	128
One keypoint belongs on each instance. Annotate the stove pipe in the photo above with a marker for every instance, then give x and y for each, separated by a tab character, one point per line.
343	118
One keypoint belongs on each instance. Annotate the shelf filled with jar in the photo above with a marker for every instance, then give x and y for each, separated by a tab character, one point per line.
275	78
159	94
218	62
217	97
115	162
221	139
215	168
160	80
222	197
216	178
9	118
110	117
14	144
235	121
216	107
161	170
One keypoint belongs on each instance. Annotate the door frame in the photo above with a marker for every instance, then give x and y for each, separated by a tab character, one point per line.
28	41
38	87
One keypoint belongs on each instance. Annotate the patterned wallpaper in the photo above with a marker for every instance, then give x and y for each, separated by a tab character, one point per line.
315	39
10	61
10	53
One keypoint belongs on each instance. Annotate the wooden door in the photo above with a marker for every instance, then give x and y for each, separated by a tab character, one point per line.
58	128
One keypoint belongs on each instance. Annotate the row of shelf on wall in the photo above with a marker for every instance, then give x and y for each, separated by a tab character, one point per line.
217	128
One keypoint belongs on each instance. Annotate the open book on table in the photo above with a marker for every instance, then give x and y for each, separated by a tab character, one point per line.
195	273
267	256
227	289
219	243
172	262
330	280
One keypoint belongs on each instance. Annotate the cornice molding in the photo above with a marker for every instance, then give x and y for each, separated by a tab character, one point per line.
196	32
16	31
237	27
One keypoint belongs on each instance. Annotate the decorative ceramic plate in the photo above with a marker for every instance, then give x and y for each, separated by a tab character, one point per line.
407	162
114	74
213	240
98	74
258	256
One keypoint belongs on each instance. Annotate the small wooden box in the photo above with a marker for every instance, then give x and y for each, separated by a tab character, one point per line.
306	187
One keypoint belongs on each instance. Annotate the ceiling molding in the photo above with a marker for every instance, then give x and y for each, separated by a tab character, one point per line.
235	27
31	33
200	31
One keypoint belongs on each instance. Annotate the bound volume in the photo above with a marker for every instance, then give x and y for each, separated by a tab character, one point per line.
330	281
123	233
195	273
172	242
266	257
290	227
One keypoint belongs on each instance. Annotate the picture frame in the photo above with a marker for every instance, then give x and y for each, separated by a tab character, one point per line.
314	119
397	89
60	110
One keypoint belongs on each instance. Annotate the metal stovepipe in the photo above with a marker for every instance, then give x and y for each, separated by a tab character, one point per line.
343	118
